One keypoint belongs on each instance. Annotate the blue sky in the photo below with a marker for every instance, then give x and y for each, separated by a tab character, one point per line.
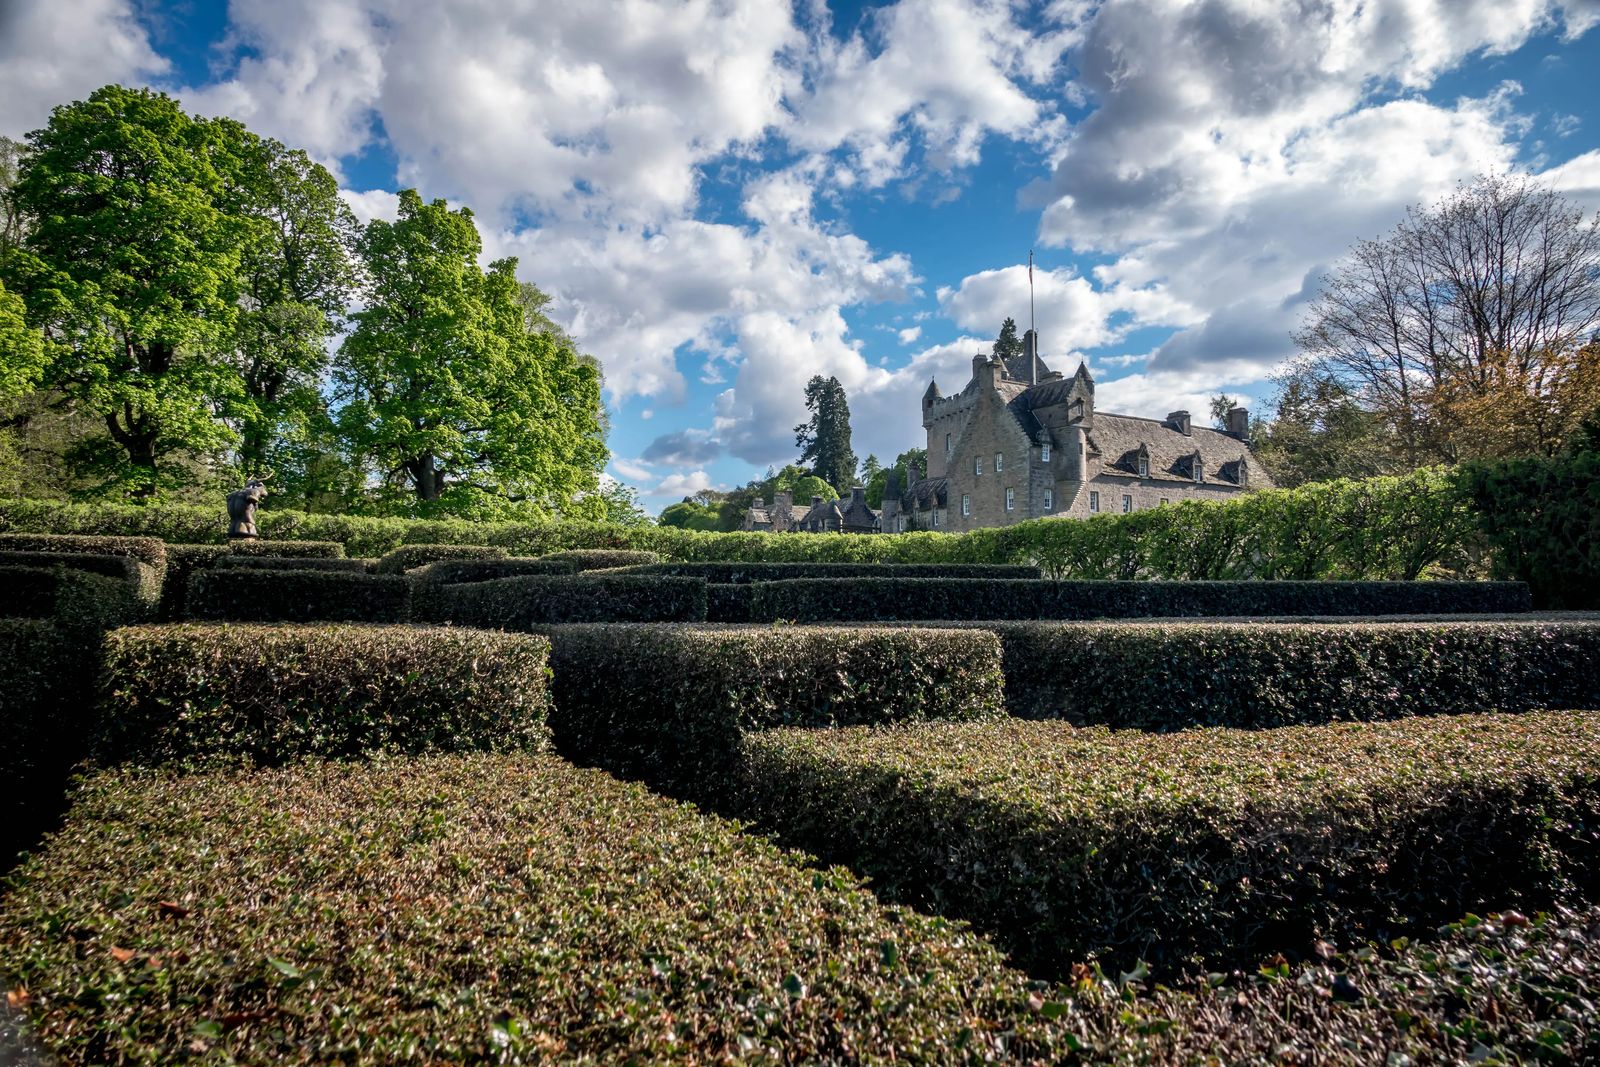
728	197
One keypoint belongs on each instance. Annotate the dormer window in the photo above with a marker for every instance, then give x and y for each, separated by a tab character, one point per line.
1243	472
1144	462
1197	468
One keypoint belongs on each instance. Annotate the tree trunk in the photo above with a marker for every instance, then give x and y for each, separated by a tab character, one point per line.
428	480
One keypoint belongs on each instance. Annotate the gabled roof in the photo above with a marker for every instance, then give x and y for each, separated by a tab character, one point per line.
1118	439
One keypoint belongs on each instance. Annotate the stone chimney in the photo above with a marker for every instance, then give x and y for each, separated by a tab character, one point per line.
782	499
1030	352
985	369
816	500
760	504
1239	422
1179	420
858	496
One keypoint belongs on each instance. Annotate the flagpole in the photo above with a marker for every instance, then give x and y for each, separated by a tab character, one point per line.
1033	366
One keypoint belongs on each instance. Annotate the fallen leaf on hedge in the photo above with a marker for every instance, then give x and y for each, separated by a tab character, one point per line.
16	998
171	909
122	955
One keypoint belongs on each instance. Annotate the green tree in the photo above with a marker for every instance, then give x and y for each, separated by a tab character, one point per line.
1319	432
824	441
620	504
461	408
297	277
130	268
22	352
688	514
907	461
1008	346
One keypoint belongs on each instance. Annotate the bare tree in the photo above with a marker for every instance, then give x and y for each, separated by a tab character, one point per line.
1502	275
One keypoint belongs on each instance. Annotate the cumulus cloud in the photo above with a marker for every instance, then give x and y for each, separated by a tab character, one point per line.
56	51
682	448
680	485
909	335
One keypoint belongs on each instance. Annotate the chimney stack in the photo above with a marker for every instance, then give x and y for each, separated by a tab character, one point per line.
1030	349
858	496
1239	422
1179	420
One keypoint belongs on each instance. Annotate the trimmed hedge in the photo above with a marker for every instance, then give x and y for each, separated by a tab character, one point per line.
297	596
1156	676
593	559
80	602
249	561
1541	518
182	563
147	550
143	580
474	909
544	600
44	675
670	703
294	549
742	573
1204	848
428	602
268	694
1505	989
886	599
406	557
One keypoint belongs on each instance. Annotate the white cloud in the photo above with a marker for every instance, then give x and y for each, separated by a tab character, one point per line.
56	51
372	204
909	335
681	485
633	470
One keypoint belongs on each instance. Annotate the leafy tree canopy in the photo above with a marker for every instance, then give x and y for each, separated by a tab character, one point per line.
131	268
460	406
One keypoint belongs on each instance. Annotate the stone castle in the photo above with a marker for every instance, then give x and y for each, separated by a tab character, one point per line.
1021	441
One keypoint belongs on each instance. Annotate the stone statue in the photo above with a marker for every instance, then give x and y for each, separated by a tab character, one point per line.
242	505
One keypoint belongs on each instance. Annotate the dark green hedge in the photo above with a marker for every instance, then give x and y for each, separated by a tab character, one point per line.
45	681
1501	989
268	694
249	561
78	601
293	549
428	602
143	580
147	550
474	909
670	703
1170	676
886	599
741	573
1205	848
1542	518
297	596
406	557
594	559
543	600
182	562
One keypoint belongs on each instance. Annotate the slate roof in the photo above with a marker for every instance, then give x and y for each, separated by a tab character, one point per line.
1119	438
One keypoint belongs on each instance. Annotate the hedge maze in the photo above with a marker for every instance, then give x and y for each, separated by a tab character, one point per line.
450	803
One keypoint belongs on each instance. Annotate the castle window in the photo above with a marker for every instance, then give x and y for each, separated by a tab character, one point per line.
1044	451
1094	500
935	518
999	462
947	444
1165	501
1127	503
966	504
977	465
1049	499
1144	465
1011	499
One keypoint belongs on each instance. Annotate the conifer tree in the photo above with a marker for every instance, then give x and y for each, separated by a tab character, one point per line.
824	441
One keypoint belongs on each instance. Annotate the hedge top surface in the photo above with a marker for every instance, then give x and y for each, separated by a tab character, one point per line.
1055	771
407	557
226	693
145	549
588	559
474	908
742	573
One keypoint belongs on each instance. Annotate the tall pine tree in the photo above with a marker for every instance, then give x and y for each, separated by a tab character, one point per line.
1008	346
824	441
